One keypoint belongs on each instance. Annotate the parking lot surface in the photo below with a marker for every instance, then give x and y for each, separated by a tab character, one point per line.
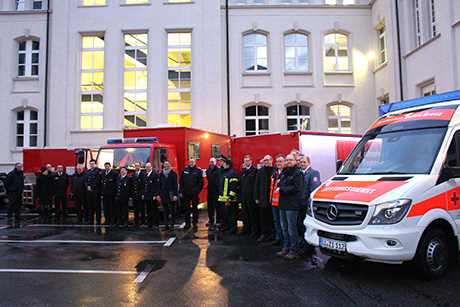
64	264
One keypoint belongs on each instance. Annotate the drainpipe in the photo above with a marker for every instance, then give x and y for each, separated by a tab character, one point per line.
228	67
401	88
45	122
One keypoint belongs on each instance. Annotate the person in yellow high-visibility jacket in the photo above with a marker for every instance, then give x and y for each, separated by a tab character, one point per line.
228	191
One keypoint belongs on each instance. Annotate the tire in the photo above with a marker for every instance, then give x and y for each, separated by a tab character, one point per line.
433	254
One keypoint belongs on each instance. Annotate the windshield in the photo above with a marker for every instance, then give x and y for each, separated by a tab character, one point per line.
400	152
126	156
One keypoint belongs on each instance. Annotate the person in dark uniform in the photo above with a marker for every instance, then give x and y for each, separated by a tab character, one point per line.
77	185
108	190
228	195
262	198
93	193
136	194
191	184
168	194
250	210
45	194
150	195
60	184
124	186
212	175
14	184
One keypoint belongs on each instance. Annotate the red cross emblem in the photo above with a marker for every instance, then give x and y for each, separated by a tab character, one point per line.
454	199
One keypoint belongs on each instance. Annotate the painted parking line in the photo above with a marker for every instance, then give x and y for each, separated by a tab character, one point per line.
3	227
83	241
170	241
140	278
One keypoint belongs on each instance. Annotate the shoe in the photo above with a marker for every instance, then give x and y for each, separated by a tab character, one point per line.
165	228
276	242
212	227
263	238
282	253
218	225
155	227
291	256
208	224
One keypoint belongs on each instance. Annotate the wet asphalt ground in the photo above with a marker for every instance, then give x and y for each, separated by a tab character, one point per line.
64	264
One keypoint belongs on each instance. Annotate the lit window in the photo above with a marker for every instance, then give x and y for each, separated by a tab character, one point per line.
256	120
298	117
94	2
382	45
336	52
255	52
136	1
179	79
172	1
296	52
28	56
26	129
92	82
135	95
331	2
339	119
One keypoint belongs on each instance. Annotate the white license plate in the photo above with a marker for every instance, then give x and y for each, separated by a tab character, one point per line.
333	244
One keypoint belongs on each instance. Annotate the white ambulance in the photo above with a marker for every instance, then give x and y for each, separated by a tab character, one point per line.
397	196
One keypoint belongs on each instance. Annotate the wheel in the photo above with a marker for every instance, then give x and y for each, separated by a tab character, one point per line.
433	254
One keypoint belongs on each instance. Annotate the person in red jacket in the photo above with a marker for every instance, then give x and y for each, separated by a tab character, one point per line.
275	198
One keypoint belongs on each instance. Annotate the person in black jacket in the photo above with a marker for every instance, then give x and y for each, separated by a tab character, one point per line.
168	194
124	186
262	198
93	193
212	175
108	190
250	209
44	194
290	190
228	195
60	181
136	194
77	185
191	184
14	184
151	192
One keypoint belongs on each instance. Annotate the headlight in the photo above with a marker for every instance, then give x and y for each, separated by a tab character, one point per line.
390	212
309	206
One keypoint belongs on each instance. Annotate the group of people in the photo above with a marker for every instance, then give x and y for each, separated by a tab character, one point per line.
274	199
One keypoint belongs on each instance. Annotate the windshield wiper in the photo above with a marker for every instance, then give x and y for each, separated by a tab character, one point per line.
387	173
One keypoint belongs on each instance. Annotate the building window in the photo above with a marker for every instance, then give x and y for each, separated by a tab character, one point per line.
382	45
173	1
418	28
215	151
37	4
179	79
94	2
285	1
28	56
135	86
336	52
20	5
298	117
136	1
339	119
296	52
304	1
425	20
240	2
255	52
259	1
26	129
256	120
340	2
92	82
428	89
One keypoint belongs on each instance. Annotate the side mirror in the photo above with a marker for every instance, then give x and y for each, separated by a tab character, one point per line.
80	156
448	172
338	165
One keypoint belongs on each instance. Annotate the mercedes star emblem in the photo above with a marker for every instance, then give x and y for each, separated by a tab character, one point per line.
332	212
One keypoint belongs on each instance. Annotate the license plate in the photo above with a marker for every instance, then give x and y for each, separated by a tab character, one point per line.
333	244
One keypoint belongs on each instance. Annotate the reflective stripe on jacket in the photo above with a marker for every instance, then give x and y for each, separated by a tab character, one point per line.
274	197
228	186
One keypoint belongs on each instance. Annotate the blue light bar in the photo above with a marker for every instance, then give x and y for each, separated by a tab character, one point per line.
133	140
114	141
395	106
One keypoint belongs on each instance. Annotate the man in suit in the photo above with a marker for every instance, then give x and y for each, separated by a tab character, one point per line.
93	192
124	183
151	192
212	175
78	188
108	189
250	210
262	198
60	181
312	180
136	194
191	184
168	194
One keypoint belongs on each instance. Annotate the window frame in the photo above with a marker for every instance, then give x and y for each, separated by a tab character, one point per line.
383	57
256	119
336	51
26	122
255	56
28	53
298	117
194	150
94	3
339	118
296	46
